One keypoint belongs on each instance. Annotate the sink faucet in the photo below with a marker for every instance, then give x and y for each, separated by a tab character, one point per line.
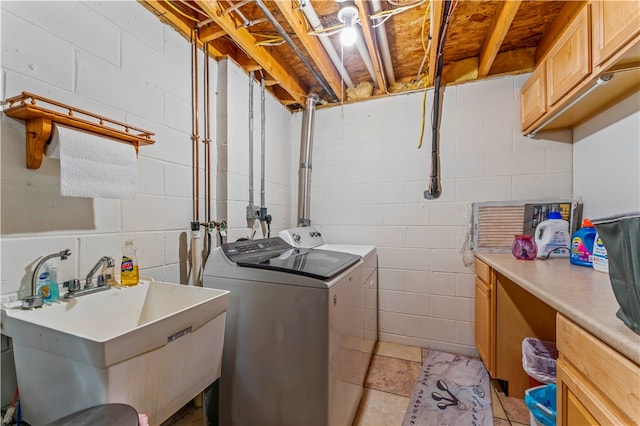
101	281
35	300
89	286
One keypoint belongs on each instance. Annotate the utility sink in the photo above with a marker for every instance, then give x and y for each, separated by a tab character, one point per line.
153	346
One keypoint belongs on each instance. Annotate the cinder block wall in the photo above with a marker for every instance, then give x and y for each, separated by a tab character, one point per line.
368	183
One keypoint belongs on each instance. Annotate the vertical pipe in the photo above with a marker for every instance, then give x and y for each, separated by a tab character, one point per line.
207	136
251	76
306	151
384	45
195	136
262	143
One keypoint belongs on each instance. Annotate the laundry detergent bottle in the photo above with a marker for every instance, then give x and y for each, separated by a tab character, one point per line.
552	235
129	268
582	244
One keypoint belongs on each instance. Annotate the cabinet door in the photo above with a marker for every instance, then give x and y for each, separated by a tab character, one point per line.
569	61
615	23
533	98
484	324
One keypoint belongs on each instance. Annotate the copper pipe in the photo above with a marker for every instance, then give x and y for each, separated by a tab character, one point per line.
207	135
195	136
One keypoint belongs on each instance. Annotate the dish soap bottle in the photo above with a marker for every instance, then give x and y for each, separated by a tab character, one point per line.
129	268
552	235
582	244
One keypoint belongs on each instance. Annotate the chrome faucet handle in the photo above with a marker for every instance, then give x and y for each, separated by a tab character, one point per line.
102	280
73	286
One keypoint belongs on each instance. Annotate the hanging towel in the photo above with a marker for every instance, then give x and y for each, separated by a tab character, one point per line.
93	166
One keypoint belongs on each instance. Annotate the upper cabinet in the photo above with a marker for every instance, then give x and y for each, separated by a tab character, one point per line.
569	60
615	24
601	45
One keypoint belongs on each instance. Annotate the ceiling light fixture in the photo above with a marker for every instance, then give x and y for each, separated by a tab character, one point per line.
348	14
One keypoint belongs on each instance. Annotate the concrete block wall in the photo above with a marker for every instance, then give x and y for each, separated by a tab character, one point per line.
368	183
278	141
118	60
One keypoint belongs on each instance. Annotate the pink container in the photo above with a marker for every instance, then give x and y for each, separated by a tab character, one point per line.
524	247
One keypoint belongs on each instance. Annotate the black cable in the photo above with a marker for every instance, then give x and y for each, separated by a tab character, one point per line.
434	191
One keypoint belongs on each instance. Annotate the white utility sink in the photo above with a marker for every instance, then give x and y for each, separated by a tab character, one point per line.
153	346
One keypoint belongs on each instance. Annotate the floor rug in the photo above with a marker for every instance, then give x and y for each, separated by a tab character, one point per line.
451	390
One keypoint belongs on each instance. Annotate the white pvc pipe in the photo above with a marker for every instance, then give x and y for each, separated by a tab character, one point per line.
384	45
196	259
313	19
364	53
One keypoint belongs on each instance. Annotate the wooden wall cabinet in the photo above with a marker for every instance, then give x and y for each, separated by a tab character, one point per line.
485	315
603	37
533	98
615	24
569	60
596	384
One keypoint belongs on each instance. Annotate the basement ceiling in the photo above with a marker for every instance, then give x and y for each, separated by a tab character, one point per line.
484	39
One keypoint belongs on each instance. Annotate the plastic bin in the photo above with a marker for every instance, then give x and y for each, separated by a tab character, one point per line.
541	402
539	360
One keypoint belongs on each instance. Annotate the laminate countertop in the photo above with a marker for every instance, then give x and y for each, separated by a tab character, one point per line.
579	293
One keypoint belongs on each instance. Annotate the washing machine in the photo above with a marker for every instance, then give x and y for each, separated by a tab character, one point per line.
311	237
293	318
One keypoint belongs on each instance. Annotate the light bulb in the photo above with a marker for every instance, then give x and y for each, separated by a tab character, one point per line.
348	34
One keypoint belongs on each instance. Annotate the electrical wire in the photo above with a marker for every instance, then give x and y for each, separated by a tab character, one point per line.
387	14
424	94
181	12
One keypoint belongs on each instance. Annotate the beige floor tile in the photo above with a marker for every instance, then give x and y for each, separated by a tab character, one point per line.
519	424
381	408
393	375
500	422
498	410
423	352
395	350
515	408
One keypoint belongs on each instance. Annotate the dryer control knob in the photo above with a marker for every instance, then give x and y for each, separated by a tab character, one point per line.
296	238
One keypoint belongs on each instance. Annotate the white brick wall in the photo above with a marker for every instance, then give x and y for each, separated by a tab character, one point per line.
111	58
368	183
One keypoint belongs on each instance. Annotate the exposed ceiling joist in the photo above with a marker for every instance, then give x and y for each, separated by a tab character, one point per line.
367	30
566	15
437	10
500	25
216	49
312	44
271	62
210	33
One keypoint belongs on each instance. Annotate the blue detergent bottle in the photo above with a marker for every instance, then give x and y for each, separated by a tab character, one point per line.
582	244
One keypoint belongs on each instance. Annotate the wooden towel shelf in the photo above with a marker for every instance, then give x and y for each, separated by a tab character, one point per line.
40	119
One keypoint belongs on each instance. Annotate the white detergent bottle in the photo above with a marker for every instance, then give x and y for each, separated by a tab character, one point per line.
600	258
552	234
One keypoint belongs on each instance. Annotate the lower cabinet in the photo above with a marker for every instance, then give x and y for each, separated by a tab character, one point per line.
596	384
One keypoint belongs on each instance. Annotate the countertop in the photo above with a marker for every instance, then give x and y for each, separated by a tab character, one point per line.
581	294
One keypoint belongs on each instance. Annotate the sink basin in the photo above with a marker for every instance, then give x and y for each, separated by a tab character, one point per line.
153	346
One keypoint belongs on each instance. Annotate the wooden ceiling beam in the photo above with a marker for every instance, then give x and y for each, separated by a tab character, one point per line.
217	49
271	62
367	31
500	25
210	33
566	15
435	19
312	44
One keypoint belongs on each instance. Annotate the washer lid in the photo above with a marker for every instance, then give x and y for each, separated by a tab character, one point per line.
276	254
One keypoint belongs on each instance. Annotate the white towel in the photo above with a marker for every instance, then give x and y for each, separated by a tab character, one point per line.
93	166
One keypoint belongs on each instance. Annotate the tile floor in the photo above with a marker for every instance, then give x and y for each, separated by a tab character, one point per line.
392	374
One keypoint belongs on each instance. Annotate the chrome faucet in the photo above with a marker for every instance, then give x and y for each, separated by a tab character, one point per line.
35	300
101	278
89	287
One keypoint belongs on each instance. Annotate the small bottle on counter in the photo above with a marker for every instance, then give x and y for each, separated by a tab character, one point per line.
600	258
129	267
582	244
54	289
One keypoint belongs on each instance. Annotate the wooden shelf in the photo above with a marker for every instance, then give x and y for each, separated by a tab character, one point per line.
40	119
